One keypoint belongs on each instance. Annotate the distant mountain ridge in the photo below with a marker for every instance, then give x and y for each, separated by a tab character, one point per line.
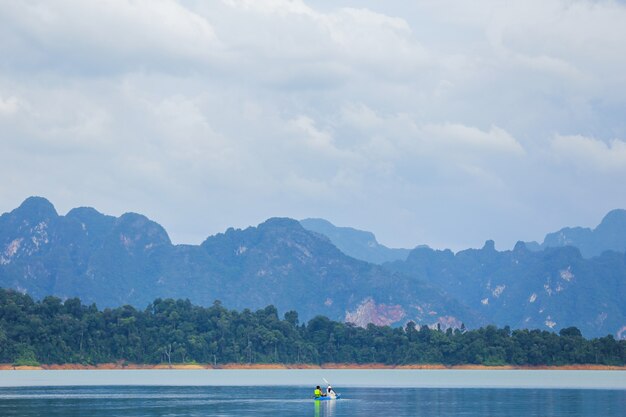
113	261
610	234
356	243
130	259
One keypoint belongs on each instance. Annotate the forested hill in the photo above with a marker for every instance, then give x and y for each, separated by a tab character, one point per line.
175	331
130	259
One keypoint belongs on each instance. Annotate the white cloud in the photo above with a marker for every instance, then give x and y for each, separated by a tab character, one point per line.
278	7
94	37
495	140
412	119
397	136
320	142
293	45
9	106
578	40
590	153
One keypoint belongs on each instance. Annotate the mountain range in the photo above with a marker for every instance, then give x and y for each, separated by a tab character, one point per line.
548	289
130	259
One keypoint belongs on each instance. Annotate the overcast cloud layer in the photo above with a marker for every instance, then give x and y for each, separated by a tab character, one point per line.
437	122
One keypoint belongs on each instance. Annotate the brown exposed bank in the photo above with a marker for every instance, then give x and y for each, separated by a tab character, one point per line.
120	365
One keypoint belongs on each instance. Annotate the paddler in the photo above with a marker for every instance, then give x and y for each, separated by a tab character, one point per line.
318	392
330	392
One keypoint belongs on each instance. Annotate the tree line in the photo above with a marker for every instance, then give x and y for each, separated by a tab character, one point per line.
175	331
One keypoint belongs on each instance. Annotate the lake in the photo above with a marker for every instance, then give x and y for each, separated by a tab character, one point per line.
282	393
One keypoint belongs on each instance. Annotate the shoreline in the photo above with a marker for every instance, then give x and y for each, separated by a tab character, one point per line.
339	366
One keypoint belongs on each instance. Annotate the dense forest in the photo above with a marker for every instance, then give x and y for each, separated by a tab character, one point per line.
175	331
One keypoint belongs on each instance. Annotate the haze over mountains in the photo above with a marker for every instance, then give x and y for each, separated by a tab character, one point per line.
610	235
130	259
356	243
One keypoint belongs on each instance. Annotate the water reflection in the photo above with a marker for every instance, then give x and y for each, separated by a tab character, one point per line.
325	408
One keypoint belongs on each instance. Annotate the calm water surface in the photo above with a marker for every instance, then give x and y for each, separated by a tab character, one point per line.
290	401
301	377
288	393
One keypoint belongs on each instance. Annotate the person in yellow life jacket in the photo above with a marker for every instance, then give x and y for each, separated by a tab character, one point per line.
318	392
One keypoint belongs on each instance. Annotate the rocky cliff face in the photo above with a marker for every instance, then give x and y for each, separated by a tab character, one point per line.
550	289
84	253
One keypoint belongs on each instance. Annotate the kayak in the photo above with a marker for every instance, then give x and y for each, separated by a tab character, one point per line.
327	398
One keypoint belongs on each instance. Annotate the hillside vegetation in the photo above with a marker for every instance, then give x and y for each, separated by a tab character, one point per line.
175	331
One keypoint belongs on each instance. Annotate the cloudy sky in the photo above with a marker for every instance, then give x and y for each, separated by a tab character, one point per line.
437	122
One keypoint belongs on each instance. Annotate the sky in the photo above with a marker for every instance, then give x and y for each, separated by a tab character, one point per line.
440	122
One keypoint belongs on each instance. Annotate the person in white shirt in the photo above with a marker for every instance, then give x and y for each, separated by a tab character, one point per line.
330	392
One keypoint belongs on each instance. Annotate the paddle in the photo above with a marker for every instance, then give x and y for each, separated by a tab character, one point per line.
328	383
